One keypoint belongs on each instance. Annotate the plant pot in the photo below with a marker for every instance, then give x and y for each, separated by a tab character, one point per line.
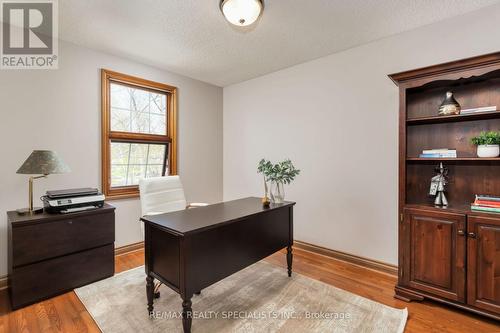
277	192
488	150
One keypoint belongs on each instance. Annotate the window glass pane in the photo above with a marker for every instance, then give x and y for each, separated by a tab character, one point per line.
154	170
120	120
120	97
118	175
139	99
119	153
140	122
135	173
156	154
158	103
139	153
132	161
157	124
137	110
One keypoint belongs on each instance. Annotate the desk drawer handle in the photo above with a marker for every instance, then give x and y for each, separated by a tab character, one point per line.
70	222
472	235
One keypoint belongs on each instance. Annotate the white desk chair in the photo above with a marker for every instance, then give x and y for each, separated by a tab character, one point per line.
162	195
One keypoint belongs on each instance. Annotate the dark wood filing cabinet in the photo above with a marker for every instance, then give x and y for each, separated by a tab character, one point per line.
53	253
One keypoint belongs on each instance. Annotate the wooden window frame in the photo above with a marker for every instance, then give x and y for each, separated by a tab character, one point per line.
108	77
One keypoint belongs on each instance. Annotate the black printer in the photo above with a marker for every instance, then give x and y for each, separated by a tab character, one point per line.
72	200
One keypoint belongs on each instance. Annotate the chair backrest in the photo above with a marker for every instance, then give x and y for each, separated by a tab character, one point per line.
161	195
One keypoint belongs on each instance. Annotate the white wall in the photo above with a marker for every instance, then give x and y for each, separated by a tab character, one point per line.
337	119
60	110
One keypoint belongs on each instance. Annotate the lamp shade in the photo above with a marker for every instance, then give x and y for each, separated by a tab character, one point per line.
43	162
241	12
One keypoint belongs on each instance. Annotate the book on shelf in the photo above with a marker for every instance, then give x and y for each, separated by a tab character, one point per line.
439	153
486	203
491	204
479	110
487	197
484	209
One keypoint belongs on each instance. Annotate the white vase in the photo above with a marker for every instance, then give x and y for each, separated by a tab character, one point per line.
488	150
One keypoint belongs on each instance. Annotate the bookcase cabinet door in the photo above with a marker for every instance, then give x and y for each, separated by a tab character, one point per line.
436	253
484	263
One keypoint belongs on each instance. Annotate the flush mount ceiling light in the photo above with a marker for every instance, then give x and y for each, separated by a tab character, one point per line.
241	12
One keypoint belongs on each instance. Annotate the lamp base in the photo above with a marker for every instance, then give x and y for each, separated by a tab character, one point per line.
26	211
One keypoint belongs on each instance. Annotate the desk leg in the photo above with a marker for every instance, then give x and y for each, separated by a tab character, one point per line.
150	291
187	315
289	259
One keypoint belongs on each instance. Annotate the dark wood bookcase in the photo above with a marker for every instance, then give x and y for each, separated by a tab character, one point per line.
449	254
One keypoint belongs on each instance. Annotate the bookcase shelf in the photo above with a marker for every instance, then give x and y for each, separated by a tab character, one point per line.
453	118
459	209
456	159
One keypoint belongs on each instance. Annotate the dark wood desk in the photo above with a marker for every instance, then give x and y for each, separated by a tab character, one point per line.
192	249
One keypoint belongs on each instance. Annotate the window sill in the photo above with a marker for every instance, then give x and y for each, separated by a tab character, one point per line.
120	196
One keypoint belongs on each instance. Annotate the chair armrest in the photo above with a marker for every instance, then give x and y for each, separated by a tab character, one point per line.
196	205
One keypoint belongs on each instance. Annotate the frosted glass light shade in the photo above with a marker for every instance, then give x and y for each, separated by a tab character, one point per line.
241	12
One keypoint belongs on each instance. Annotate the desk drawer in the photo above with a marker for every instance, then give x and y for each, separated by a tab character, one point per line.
32	283
35	242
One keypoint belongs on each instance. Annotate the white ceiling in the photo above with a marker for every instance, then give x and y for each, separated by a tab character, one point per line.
191	37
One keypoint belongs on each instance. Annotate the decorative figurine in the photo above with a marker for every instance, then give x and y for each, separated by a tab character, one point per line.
449	106
438	184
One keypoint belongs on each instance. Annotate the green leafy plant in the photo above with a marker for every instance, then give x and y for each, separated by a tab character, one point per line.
284	172
486	138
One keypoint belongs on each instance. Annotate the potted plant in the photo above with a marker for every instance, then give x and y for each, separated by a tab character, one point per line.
278	174
488	144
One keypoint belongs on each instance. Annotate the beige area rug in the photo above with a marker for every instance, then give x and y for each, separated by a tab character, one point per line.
260	298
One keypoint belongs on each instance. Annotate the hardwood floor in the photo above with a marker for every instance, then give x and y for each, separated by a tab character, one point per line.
66	313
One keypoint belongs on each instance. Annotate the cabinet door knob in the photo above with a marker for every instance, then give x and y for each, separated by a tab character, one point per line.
472	235
461	232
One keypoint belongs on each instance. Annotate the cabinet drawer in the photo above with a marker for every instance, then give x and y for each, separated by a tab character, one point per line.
32	283
35	242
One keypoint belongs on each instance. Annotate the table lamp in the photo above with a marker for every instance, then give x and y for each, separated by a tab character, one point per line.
43	163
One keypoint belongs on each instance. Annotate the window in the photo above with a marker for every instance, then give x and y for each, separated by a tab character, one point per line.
138	132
